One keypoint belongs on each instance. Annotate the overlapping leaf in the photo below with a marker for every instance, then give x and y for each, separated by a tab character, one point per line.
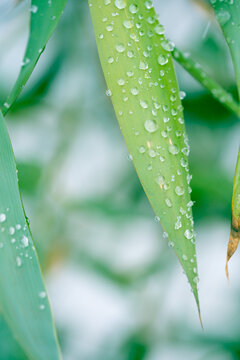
235	225
45	15
23	298
138	68
228	16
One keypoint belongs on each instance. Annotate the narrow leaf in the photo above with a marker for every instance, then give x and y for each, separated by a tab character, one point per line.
45	15
206	81
138	68
235	225
23	298
228	15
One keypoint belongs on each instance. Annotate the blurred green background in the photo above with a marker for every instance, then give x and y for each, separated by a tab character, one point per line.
117	290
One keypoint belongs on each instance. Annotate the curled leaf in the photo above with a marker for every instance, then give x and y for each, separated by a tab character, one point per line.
228	14
235	224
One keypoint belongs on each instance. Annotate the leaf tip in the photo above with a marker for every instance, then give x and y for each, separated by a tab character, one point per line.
226	270
200	319
232	244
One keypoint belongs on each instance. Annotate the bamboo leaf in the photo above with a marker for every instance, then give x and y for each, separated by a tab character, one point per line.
235	225
45	15
228	15
23	298
206	81
138	68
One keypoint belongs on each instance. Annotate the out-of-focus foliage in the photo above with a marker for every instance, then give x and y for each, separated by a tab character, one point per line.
85	201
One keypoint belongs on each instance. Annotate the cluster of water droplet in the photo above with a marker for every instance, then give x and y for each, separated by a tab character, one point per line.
144	85
16	235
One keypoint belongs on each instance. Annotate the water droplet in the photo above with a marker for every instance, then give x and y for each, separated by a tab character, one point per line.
121	82
196	280
11	230
143	65
108	92
159	29
178	223
34	9
143	104
142	149
6	105
152	153
179	190
173	149
130	54
182	95
133	8
109	28
162	60
168	202
160	180
168	45
128	24
120	48
25	241
188	234
223	16
148	4
151	126
2	217
120	4
134	91
110	60
42	294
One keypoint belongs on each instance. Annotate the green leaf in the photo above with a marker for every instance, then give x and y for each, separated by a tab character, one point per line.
45	15
228	15
235	224
23	298
206	81
138	68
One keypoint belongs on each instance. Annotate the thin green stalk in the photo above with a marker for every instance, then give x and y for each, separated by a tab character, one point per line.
205	80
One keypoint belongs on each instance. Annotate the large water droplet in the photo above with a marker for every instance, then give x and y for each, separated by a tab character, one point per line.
223	16
25	241
168	45
173	149
151	126
162	59
133	8
2	217
179	190
120	48
188	234
120	4
159	29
